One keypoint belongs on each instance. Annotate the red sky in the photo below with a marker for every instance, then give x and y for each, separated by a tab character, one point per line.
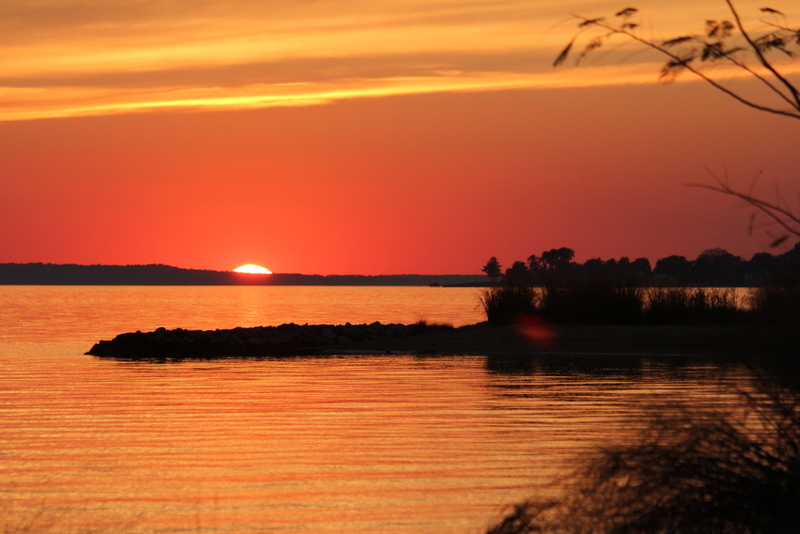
365	140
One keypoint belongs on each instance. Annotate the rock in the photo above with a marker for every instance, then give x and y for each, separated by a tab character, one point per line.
260	341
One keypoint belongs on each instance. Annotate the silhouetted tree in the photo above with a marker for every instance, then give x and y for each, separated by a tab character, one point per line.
518	273
594	267
620	269
717	266
557	258
641	267
677	269
492	269
760	268
534	263
790	260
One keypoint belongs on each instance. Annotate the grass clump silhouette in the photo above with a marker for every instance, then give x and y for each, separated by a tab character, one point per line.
681	305
592	300
777	304
599	300
693	470
502	304
424	326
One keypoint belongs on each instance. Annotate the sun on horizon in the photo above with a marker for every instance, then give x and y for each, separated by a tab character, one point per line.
251	268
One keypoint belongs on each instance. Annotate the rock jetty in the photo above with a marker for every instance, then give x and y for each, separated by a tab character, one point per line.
259	341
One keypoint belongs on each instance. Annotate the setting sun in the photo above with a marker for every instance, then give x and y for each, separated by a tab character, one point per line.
252	269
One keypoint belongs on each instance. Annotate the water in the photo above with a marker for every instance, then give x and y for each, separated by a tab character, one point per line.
342	444
87	313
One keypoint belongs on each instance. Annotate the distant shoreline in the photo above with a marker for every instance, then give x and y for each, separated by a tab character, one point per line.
166	275
53	274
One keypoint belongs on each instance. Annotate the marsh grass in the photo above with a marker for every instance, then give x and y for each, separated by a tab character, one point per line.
779	304
504	303
681	305
693	470
424	326
596	300
593	301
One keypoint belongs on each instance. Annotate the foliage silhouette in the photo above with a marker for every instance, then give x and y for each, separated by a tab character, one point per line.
518	273
701	471
502	304
728	43
692	471
722	42
714	267
492	269
677	291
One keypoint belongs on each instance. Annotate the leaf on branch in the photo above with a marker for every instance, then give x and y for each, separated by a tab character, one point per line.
564	53
673	68
720	30
773	41
594	44
589	22
677	40
770	10
629	26
713	51
778	241
627	12
727	28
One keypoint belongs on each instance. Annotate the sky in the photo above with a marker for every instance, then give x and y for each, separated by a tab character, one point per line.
369	137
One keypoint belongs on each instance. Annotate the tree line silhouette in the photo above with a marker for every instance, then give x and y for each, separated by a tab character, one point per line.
714	267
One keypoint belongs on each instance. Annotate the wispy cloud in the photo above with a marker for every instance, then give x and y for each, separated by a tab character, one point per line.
87	57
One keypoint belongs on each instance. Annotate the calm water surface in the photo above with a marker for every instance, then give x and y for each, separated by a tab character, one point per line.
88	313
342	444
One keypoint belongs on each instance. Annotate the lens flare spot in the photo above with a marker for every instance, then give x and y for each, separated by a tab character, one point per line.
537	331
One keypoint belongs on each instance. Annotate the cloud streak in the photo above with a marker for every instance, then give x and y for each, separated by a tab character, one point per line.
90	57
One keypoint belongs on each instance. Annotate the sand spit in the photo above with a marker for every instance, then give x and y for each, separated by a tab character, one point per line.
377	338
259	341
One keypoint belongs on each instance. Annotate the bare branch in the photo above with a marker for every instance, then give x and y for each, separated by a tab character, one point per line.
777	211
711	47
677	41
763	60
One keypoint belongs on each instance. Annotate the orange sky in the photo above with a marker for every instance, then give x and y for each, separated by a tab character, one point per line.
370	137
